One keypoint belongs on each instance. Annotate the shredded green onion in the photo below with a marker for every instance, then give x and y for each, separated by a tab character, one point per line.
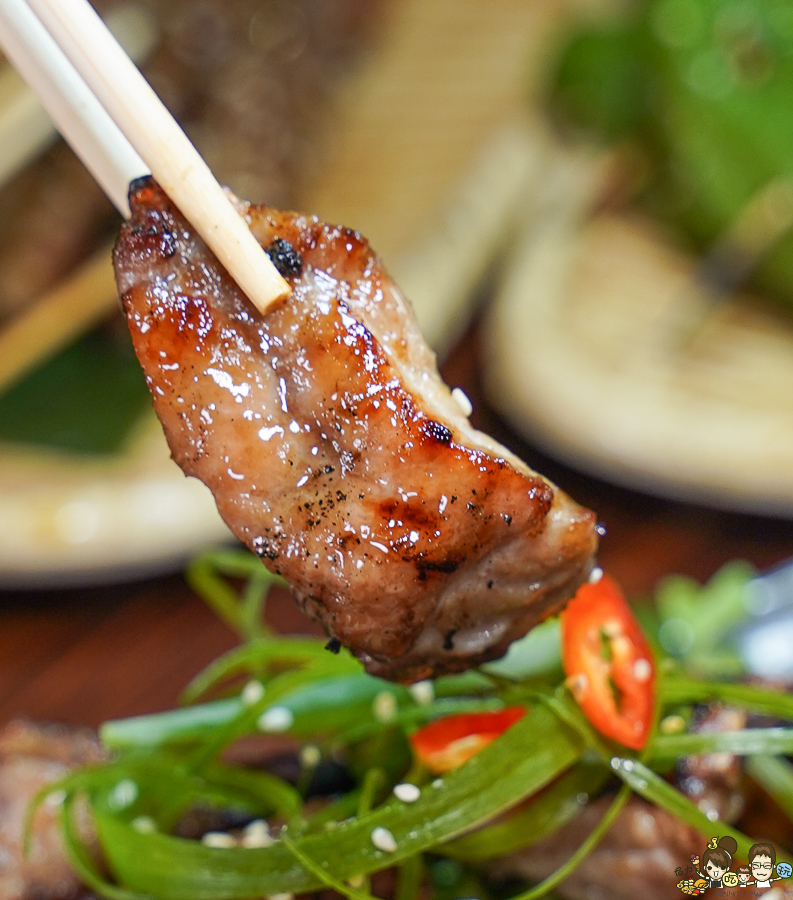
587	846
243	613
652	787
767	701
747	742
323	875
524	787
527	757
411	875
539	818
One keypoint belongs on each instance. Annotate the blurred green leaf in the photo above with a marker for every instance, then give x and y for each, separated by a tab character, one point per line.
696	620
600	82
84	399
705	88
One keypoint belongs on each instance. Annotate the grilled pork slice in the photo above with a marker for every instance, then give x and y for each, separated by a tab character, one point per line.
335	451
33	756
636	860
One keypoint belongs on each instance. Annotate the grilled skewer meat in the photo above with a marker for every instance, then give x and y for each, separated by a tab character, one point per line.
335	451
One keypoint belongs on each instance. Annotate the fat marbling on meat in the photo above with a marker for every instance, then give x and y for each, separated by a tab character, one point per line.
335	451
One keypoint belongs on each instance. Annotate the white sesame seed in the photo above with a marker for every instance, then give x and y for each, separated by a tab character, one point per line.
595	575
423	692
406	792
437	783
356	881
56	798
144	824
384	840
256	834
124	794
276	719
310	756
252	693
284	896
384	706
218	839
461	399
642	670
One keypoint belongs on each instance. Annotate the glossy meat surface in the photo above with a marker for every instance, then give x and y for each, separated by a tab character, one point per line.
336	453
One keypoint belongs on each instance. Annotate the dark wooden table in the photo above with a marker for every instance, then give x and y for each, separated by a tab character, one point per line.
82	656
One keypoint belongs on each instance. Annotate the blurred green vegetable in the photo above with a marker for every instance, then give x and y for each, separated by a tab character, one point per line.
704	88
520	789
86	399
696	621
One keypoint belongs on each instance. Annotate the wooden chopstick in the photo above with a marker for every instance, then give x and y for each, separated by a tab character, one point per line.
150	128
25	128
74	306
78	115
124	95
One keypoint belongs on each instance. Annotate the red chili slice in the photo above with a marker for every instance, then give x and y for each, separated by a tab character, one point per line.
608	663
447	743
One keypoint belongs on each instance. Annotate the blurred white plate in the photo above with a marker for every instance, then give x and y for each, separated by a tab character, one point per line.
69	520
603	349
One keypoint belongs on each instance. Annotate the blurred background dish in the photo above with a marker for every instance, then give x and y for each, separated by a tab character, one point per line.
605	348
643	332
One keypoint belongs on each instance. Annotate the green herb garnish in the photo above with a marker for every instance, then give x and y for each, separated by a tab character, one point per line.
522	788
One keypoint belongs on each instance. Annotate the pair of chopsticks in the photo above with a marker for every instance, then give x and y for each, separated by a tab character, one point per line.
121	130
25	128
87	295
